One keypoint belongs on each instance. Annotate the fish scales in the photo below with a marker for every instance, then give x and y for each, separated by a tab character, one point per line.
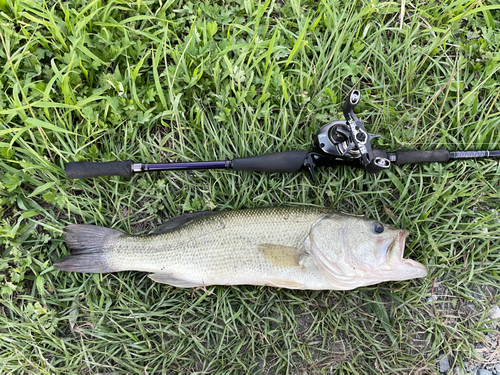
291	247
221	249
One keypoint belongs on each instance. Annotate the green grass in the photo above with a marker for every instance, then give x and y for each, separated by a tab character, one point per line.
186	81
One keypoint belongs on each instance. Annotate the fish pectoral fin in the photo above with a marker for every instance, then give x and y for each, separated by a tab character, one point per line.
281	255
166	278
178	221
278	283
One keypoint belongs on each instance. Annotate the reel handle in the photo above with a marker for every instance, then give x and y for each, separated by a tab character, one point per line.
350	103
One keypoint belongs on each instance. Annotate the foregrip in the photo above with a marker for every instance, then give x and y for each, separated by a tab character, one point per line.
279	162
412	157
89	169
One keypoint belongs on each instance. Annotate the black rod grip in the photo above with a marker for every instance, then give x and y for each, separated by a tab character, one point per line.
88	169
412	157
278	162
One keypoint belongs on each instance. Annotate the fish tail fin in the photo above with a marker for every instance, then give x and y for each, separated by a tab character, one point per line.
89	252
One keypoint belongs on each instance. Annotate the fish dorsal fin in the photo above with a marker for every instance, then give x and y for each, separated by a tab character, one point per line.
165	278
281	255
178	221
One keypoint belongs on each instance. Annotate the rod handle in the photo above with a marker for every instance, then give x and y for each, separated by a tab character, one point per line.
278	162
89	169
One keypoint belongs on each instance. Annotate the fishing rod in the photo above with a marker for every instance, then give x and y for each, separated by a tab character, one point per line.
343	142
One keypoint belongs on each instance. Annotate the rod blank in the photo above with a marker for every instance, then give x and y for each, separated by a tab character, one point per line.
474	154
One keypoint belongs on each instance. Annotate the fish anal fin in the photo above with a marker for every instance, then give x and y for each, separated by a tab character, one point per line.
281	255
165	278
178	221
278	283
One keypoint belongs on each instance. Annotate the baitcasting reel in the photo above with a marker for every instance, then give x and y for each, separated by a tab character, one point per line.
347	141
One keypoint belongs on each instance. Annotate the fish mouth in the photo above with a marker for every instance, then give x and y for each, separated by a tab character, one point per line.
408	268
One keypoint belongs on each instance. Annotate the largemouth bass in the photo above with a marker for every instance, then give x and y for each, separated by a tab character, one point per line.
288	247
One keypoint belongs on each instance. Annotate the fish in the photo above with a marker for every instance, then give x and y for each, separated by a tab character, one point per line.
286	247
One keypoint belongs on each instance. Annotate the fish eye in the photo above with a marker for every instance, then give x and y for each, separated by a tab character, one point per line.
377	228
